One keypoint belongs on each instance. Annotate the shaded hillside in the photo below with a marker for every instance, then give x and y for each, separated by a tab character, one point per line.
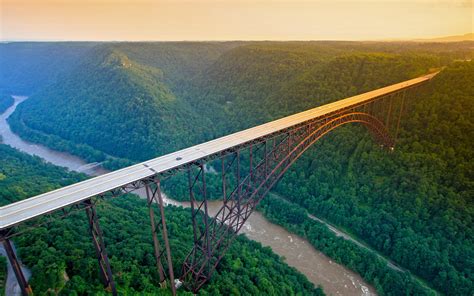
253	84
114	105
179	61
25	67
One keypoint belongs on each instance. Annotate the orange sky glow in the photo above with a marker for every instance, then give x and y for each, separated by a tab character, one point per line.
232	19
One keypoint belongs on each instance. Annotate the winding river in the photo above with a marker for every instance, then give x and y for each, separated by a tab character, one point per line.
62	159
318	268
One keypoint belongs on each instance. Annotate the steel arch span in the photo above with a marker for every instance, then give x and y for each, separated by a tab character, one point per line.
216	237
248	163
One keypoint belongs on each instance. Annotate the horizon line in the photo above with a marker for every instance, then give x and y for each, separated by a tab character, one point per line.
414	39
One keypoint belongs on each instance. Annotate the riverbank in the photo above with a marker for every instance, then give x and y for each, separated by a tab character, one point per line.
350	237
61	159
369	264
347	236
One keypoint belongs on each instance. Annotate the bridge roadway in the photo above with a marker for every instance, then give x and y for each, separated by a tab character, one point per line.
30	208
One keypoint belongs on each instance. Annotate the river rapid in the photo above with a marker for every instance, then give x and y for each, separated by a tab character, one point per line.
298	253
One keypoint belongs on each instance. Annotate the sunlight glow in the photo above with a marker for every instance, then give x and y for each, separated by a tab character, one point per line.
232	20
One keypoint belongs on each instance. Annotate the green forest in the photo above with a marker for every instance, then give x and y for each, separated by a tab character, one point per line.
62	259
136	94
386	280
414	205
128	102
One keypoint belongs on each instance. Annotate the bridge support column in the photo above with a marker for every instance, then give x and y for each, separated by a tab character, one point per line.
154	196
99	245
20	277
212	237
197	264
400	115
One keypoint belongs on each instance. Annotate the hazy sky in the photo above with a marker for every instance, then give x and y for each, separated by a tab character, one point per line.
232	19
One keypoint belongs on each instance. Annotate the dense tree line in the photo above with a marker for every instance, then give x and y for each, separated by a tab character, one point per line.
385	279
62	259
55	142
414	205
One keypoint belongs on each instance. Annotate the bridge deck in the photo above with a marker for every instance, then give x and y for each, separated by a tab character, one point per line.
41	204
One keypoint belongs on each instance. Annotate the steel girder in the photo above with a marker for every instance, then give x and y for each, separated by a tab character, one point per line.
154	196
12	258
212	240
101	252
269	158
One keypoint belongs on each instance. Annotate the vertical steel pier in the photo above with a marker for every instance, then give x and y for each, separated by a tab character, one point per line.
154	196
16	266
99	245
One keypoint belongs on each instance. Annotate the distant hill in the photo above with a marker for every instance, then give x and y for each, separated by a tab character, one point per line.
25	67
456	38
169	95
129	102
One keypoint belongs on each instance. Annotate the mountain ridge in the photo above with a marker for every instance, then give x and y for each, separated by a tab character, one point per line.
452	38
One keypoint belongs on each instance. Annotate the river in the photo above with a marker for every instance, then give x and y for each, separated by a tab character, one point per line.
298	253
72	162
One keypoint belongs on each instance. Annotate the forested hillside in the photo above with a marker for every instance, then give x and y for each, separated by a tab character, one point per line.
126	96
114	105
62	258
386	279
257	83
27	66
416	204
179	61
128	102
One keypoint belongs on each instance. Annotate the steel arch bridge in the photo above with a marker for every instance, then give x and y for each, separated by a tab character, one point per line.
251	162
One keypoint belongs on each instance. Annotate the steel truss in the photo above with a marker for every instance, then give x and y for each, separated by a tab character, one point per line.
16	266
214	236
154	196
101	252
249	170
